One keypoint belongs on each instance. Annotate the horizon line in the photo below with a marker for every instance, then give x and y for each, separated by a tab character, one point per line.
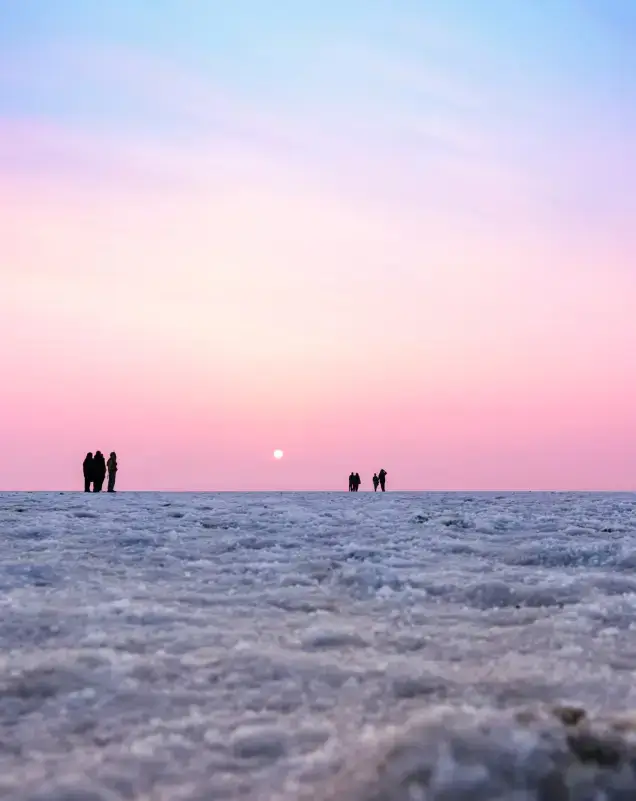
324	491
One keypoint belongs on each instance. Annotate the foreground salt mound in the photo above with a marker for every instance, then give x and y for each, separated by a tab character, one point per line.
464	754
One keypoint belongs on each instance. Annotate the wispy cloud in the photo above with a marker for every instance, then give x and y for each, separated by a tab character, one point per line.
181	127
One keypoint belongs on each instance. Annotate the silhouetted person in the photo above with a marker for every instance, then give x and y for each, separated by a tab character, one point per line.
376	481
356	482
112	471
88	468
99	471
382	478
352	481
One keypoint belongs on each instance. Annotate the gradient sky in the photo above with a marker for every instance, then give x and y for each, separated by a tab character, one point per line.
373	233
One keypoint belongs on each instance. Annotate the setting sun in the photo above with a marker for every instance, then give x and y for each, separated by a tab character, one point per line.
278	454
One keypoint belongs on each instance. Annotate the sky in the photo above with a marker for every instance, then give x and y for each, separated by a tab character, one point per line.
372	233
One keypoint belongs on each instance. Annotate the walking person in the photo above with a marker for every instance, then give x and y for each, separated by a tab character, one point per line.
376	481
88	468
352	480
99	471
356	482
112	471
382	478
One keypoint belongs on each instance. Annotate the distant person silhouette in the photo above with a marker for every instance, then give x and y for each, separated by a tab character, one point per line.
382	478
352	481
356	482
376	481
99	471
112	471
88	467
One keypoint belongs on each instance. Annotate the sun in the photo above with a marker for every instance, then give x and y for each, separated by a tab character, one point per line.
278	454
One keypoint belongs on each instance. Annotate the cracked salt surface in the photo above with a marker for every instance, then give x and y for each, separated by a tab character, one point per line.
324	646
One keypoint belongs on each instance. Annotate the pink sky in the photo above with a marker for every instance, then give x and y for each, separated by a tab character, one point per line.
194	302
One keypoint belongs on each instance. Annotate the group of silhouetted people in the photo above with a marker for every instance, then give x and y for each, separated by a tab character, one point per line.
95	469
379	479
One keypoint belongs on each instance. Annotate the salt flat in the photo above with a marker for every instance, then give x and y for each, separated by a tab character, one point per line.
349	646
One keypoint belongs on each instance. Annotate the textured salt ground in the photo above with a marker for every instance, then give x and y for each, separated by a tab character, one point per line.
322	645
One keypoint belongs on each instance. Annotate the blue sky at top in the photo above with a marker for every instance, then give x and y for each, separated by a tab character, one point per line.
539	88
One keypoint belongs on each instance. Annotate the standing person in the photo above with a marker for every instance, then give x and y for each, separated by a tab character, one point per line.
376	481
88	468
382	478
352	479
99	471
356	482
112	471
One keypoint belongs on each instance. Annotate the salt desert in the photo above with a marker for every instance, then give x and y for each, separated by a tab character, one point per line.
324	646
